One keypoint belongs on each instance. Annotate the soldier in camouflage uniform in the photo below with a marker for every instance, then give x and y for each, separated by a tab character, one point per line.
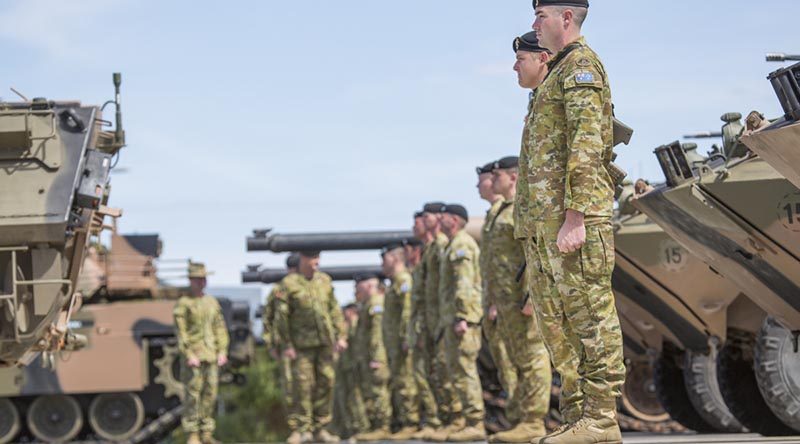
309	324
373	363
449	404
203	342
569	140
270	339
397	312
460	318
349	413
494	338
503	255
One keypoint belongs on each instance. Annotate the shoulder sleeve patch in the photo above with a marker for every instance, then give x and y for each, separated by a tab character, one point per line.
405	287
378	309
584	77
584	62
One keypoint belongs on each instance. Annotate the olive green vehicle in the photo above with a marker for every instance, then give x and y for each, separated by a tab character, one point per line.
737	214
124	385
55	158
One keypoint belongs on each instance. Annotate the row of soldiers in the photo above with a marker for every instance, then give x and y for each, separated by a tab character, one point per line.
414	349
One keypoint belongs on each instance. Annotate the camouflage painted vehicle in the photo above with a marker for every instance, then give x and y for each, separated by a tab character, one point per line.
124	386
736	213
56	159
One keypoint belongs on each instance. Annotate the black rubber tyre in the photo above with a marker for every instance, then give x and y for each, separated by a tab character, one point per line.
737	383
10	422
55	418
639	395
116	416
671	390
700	376
777	369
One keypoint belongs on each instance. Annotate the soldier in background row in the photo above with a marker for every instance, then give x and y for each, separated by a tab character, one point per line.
203	343
349	414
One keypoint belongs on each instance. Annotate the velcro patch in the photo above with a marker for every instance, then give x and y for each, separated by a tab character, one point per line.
584	77
461	253
404	288
378	309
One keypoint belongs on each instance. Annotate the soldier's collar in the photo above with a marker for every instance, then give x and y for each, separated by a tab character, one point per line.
561	55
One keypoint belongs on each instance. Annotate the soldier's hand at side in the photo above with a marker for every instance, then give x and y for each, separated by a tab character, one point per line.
420	343
193	362
290	353
222	360
492	312
404	346
375	365
274	353
572	234
527	310
341	345
460	328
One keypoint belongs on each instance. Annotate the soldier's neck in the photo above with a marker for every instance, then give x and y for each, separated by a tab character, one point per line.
510	194
566	39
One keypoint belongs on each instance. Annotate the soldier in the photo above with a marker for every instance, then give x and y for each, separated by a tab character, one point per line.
397	312
309	325
373	362
270	338
203	342
569	139
349	413
497	346
460	308
448	402
502	256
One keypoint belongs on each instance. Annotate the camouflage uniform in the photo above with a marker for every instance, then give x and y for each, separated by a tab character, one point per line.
449	403
491	330
369	347
349	413
397	311
270	340
421	356
567	146
201	334
460	299
503	255
309	320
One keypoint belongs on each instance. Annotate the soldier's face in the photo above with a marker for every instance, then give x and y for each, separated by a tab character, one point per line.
531	68
197	285
448	221
419	227
308	265
485	186
503	181
431	220
549	27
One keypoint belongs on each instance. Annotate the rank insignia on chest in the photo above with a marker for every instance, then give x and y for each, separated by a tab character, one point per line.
584	77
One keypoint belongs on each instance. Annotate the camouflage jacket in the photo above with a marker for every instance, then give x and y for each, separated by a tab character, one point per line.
397	311
522	226
569	139
431	259
369	344
268	316
484	243
460	282
348	359
502	258
308	315
416	319
200	328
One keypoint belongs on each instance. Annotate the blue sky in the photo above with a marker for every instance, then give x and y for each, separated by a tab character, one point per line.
316	115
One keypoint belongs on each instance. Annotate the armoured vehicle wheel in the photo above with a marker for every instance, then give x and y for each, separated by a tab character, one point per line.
9	421
671	390
639	394
116	416
169	372
777	367
700	377
55	418
737	382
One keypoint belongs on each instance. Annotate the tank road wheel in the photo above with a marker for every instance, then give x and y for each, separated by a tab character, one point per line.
9	421
777	367
737	382
700	376
116	416
639	394
169	372
55	418
671	390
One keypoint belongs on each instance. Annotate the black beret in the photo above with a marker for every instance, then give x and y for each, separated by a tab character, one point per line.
413	242
506	162
293	260
391	246
359	277
418	214
310	253
350	306
528	42
433	207
456	209
484	169
577	3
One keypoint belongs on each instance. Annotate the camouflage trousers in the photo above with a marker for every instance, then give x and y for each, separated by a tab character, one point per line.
422	358
530	362
577	317
462	354
285	378
375	391
450	407
349	413
505	368
312	389
403	389
200	385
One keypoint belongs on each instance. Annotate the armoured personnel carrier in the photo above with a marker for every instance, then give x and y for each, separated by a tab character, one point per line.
735	213
124	386
56	158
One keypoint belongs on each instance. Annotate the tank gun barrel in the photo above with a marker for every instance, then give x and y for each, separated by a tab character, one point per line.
263	240
703	135
782	57
338	273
